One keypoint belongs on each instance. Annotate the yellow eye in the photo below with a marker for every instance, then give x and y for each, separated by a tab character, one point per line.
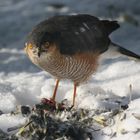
47	44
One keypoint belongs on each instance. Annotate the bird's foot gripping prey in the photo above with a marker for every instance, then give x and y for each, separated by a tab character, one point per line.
60	106
50	104
69	47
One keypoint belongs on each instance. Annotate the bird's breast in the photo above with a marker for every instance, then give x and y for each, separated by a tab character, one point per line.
77	68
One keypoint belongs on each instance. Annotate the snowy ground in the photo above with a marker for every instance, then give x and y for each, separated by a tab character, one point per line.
21	83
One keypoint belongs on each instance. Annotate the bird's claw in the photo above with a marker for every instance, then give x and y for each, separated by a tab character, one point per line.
48	102
52	104
56	106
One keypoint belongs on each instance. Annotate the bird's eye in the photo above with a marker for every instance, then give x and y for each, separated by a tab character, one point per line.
47	44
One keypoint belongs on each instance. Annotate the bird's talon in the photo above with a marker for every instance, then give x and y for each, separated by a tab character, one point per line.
52	100
52	103
48	102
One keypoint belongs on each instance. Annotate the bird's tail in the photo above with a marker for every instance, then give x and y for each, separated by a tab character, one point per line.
110	26
124	51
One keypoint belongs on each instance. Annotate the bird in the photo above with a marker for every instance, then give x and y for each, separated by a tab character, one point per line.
69	47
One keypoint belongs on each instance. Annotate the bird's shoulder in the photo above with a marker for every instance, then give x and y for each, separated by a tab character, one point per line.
80	33
77	33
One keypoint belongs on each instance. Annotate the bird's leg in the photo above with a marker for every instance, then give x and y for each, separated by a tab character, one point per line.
74	94
55	90
52	100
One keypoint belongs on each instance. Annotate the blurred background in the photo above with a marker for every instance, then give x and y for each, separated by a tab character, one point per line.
17	18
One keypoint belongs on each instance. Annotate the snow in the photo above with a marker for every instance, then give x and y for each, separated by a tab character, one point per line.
16	120
117	78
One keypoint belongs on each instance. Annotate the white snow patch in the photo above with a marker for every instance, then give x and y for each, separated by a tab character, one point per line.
8	121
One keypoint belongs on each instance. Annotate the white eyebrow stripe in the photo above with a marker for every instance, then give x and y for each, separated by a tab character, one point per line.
86	25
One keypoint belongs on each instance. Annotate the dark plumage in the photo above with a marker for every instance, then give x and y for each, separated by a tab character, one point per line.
75	33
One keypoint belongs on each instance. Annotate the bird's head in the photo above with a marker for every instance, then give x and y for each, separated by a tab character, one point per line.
40	40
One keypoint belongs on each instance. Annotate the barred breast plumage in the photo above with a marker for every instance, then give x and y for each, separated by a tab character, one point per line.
77	68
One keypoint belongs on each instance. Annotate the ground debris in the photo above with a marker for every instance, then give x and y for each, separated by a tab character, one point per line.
3	136
49	122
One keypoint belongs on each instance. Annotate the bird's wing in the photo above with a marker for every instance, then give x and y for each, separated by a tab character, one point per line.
82	33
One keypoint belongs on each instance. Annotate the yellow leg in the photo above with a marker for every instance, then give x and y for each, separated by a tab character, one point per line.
55	90
74	94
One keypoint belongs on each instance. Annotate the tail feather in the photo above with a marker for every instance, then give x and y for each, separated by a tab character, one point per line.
125	51
110	26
